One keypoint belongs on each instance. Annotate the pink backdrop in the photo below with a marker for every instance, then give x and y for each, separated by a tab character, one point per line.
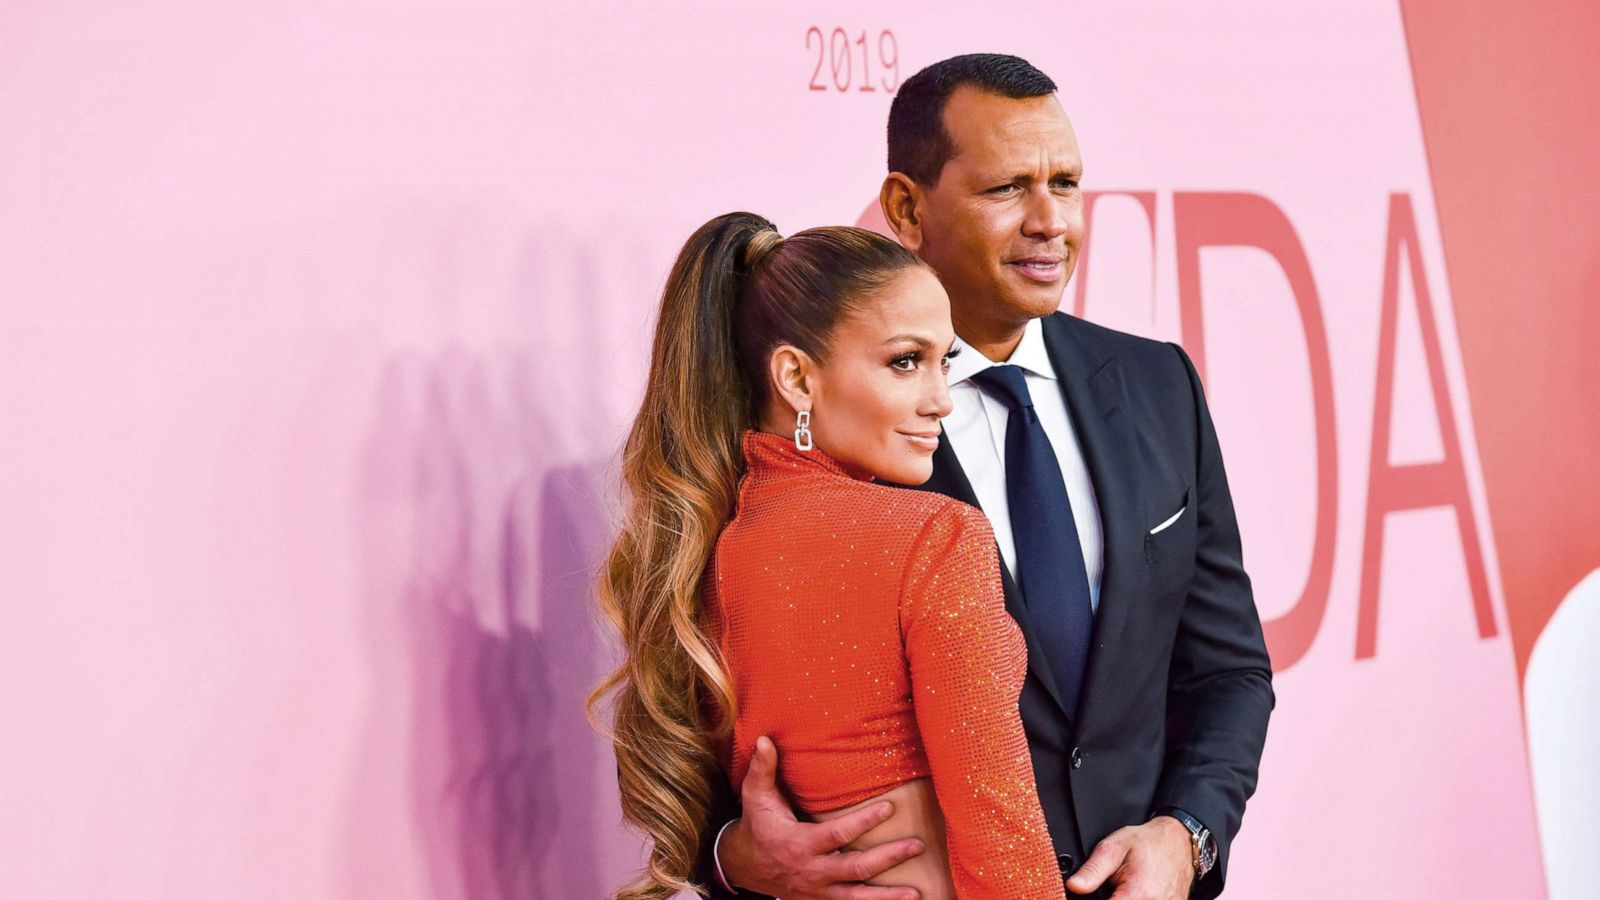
322	323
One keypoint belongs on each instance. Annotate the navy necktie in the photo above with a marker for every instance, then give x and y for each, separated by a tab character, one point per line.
1050	570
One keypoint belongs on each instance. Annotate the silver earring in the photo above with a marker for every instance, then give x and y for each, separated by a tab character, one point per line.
802	430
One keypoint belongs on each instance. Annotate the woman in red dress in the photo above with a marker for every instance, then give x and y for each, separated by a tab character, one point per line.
763	583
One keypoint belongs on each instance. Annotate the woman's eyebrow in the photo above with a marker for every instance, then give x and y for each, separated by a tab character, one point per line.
922	342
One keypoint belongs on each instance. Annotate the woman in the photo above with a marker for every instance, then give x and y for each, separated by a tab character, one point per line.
763	584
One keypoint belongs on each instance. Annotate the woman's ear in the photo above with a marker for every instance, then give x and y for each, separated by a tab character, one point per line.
793	372
901	201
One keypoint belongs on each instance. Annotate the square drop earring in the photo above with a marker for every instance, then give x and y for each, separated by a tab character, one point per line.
802	430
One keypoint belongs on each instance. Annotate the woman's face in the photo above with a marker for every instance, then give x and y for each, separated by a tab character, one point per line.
878	398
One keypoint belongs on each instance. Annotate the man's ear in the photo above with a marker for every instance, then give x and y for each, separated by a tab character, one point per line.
901	200
792	372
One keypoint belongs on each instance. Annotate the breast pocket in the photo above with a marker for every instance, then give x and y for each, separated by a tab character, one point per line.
1174	534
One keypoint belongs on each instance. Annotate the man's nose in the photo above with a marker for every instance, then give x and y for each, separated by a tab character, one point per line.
1044	216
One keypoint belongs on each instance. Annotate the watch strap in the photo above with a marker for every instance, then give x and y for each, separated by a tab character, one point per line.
1202	845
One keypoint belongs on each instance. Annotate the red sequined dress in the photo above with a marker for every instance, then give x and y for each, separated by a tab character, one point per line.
867	635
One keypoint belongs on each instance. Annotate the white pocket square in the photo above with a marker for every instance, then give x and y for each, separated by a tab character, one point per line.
1168	523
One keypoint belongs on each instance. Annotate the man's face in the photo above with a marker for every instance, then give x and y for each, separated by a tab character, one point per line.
1003	225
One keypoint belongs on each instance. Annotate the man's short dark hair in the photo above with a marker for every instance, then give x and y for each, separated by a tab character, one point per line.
919	144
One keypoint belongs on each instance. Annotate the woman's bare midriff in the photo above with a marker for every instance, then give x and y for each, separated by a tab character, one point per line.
916	814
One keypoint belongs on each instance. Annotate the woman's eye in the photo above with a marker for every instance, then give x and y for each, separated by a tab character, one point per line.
905	363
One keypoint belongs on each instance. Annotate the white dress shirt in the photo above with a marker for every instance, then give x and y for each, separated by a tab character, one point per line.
977	432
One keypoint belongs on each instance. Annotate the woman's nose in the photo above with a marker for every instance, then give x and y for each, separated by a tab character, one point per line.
938	401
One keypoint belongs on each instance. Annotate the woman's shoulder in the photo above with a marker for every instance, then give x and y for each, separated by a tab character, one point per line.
919	512
884	514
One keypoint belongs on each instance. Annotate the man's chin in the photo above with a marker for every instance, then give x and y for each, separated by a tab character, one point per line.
1035	304
1025	293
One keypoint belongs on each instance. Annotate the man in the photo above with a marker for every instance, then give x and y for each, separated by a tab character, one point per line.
1093	454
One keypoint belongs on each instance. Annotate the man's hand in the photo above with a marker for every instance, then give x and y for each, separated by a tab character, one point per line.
1153	861
770	851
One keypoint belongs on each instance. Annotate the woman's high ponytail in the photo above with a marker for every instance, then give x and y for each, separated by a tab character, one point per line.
737	290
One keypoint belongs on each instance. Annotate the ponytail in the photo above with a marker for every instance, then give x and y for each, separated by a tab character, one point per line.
736	291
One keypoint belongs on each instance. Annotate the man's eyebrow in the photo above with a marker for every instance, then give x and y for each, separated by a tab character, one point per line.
1074	172
1067	171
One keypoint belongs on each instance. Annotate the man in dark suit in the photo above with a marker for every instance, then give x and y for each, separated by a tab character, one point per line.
1093	454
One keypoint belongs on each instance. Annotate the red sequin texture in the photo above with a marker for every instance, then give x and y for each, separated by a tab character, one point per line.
867	636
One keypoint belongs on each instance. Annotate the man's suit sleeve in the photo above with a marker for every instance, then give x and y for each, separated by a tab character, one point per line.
1219	691
724	809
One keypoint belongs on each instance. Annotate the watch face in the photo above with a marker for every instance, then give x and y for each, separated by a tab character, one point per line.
1208	852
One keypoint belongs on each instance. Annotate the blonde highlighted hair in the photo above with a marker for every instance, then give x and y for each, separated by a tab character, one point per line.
736	292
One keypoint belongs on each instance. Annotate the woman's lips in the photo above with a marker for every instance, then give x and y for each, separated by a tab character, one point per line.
925	441
1045	270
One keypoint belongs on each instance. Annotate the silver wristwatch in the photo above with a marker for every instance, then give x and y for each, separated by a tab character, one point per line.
1202	845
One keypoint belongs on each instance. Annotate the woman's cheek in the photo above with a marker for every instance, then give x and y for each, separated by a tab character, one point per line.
895	405
868	402
909	398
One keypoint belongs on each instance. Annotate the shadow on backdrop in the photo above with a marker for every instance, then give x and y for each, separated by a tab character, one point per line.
477	560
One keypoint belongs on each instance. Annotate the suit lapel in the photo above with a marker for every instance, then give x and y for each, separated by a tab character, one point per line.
1096	398
951	480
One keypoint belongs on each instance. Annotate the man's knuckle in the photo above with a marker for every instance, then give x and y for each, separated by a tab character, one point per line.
793	850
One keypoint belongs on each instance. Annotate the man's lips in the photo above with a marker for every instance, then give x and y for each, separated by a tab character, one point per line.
1043	269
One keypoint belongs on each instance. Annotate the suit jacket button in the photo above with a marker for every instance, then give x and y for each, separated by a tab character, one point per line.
1077	758
1064	863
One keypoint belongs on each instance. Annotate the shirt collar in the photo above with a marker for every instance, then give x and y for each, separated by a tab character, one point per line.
767	455
1030	354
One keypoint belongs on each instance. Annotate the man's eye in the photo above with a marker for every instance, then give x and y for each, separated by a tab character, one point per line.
1066	184
1003	189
